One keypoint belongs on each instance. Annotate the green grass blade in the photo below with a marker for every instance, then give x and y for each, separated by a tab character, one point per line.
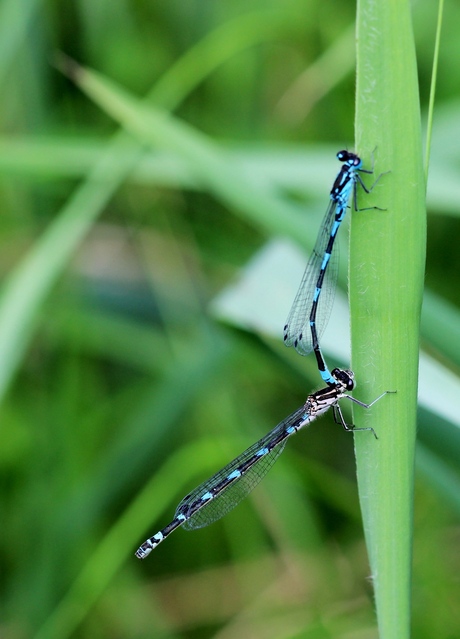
15	20
212	167
434	76
110	554
216	48
387	257
27	286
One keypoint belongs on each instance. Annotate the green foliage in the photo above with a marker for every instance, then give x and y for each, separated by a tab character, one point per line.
387	267
121	386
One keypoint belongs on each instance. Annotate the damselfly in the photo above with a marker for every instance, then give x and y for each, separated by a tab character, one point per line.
313	303
218	495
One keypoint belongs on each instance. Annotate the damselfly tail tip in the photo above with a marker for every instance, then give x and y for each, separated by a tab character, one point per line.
143	551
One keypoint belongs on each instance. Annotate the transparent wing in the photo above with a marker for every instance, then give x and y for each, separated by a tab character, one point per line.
218	495
297	328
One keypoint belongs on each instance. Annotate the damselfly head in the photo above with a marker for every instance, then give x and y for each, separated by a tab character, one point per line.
351	159
345	378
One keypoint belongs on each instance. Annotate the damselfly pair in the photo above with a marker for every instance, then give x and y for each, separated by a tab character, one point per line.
309	314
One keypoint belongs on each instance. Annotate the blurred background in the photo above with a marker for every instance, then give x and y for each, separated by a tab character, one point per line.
141	324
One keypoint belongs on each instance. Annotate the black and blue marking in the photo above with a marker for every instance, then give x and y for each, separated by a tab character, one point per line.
312	305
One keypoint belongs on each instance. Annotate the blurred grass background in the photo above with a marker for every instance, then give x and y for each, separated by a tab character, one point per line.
121	390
